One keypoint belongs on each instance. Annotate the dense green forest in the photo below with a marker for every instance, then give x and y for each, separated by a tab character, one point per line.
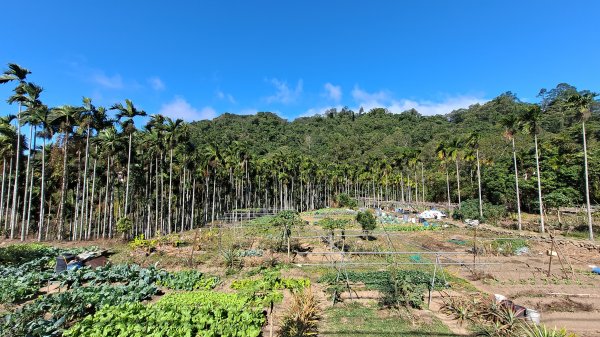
80	171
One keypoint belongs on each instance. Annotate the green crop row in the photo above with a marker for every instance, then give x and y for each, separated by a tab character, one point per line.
47	315
188	280
200	313
375	280
266	289
25	274
410	228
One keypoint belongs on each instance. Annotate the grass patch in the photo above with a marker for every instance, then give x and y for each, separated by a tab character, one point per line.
355	319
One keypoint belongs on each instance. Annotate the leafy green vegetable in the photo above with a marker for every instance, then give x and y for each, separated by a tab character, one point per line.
188	280
200	313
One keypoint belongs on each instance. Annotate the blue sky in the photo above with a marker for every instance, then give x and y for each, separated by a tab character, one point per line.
198	59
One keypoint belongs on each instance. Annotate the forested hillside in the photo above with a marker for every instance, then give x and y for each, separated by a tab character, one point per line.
378	145
80	171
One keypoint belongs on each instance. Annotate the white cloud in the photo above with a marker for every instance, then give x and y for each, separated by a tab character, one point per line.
361	95
429	108
110	82
225	96
334	92
319	111
248	111
284	94
156	83
384	99
180	108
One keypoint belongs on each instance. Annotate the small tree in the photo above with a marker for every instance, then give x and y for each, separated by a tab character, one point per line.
470	210
344	200
124	225
367	221
332	225
286	220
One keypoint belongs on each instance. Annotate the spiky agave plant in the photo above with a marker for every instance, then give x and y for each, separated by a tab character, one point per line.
540	330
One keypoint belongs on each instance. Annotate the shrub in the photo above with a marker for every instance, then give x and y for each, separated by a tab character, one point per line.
344	200
232	258
506	247
301	318
469	209
287	219
400	292
124	225
141	243
22	253
367	221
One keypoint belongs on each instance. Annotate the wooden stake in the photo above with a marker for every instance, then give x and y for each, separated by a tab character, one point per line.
437	260
287	233
271	321
474	247
551	251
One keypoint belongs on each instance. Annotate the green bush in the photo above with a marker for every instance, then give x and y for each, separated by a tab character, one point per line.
401	292
124	225
506	247
344	200
469	209
139	242
367	220
287	219
333	224
22	253
15	289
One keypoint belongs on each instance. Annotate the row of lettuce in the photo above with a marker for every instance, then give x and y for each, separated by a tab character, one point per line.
109	301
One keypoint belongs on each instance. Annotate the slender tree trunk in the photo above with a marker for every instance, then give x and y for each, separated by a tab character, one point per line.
458	182
156	192
42	189
193	203
8	196
479	185
25	196
13	214
75	222
91	208
183	201
111	211
2	194
212	215
162	198
539	183
448	187
125	210
63	190
423	181
402	186
31	183
106	202
587	184
170	189
517	184
85	188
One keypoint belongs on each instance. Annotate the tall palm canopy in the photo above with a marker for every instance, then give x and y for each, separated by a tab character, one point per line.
79	174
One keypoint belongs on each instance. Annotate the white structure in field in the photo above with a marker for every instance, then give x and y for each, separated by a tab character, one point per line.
432	214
